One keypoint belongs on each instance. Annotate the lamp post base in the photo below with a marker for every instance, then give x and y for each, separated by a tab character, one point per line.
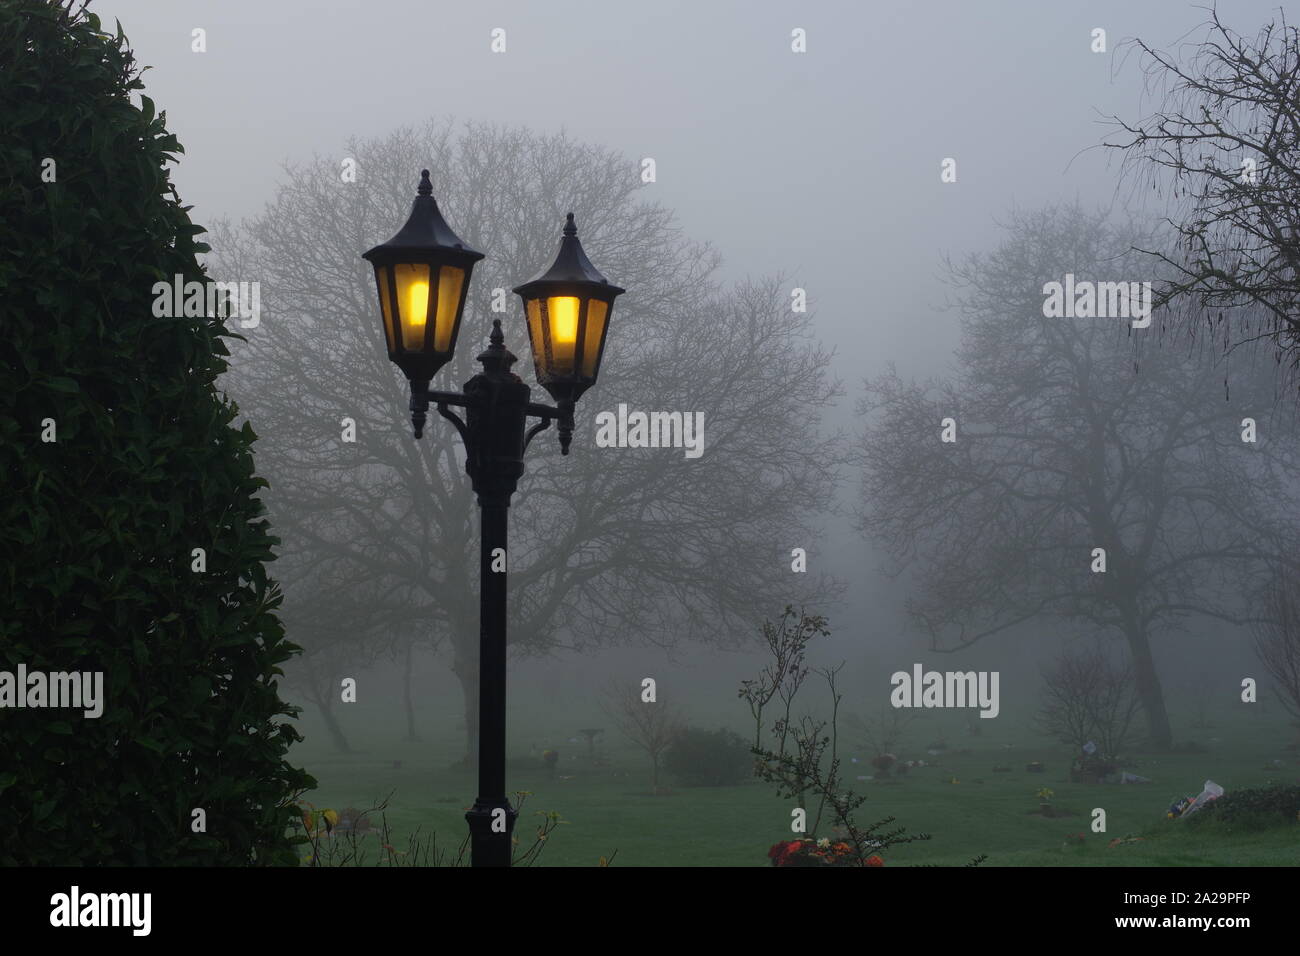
491	828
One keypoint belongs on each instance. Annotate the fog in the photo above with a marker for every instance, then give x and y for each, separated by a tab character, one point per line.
822	169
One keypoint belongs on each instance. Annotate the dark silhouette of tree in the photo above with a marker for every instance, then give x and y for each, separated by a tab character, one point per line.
1068	439
1277	637
606	544
1224	148
1088	697
651	725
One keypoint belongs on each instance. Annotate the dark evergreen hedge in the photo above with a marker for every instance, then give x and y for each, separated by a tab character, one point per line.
97	528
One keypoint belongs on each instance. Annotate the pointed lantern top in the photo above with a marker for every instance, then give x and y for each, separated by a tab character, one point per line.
570	266
425	232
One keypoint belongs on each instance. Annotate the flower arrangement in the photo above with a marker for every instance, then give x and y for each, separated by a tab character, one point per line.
823	852
1045	807
1091	768
1123	841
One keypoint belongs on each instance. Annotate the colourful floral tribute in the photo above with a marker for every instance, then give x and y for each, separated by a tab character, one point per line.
821	852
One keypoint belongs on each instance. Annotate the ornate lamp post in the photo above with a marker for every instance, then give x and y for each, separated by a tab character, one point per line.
422	276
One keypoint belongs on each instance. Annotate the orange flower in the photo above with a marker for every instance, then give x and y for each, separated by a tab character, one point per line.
874	860
791	849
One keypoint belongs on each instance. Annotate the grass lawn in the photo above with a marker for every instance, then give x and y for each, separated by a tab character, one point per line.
607	806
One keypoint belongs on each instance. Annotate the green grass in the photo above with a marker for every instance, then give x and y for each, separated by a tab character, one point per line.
608	808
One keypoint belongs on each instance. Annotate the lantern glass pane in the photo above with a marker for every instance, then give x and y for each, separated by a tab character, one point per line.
413	303
450	282
562	320
533	311
385	305
597	315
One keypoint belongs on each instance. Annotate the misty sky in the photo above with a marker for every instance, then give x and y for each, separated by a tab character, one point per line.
823	164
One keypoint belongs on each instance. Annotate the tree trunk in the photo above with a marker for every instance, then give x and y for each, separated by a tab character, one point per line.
1148	687
326	706
406	688
465	667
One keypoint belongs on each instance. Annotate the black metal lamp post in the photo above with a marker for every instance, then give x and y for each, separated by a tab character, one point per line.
422	275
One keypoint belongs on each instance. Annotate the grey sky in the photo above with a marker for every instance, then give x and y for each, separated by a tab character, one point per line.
824	164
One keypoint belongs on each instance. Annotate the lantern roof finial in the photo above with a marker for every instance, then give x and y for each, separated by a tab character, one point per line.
571	267
496	358
425	233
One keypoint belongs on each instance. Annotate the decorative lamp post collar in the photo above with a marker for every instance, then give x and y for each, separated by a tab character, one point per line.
496	358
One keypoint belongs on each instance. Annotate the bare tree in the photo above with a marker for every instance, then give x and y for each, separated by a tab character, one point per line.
787	644
1225	148
1115	706
1069	687
1068	440
883	731
801	757
1277	637
606	544
651	725
1087	697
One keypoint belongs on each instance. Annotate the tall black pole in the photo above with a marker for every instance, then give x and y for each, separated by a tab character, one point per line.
496	415
491	821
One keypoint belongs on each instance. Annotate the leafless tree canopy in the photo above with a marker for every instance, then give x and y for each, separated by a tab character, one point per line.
1277	637
606	544
883	732
1088	697
651	725
1069	440
1233	102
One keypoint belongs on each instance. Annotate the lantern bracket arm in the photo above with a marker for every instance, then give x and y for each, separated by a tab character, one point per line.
452	417
563	414
449	398
541	426
547	413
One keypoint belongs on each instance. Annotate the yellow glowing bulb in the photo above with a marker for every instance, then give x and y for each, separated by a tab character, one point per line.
564	320
417	308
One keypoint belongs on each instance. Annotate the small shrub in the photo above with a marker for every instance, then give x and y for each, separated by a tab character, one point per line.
1091	768
1253	807
709	758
